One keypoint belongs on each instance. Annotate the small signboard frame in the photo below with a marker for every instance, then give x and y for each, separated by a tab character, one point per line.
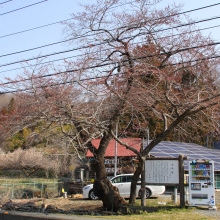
166	171
162	171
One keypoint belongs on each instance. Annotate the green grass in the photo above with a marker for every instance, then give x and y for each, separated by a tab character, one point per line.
155	211
163	216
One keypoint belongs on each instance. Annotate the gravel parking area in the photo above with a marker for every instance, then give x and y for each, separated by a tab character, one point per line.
209	213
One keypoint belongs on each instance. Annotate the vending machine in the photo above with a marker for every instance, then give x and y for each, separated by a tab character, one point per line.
201	183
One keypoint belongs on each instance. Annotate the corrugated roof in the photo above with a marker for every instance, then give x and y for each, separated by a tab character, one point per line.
192	151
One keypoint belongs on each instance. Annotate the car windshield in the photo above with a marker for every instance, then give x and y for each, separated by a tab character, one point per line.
119	179
129	178
123	179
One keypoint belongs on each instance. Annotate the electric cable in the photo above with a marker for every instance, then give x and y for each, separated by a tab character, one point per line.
23	7
98	44
5	2
19	32
107	49
51	44
91	78
112	63
203	20
63	41
50	24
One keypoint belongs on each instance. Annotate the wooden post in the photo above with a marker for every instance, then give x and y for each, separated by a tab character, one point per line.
143	191
175	195
181	181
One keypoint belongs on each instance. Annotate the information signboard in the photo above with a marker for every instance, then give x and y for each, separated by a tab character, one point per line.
162	171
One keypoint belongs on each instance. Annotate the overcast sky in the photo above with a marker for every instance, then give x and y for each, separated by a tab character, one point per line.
14	19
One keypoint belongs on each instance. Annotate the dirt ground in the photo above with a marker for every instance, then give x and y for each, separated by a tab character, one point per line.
82	205
75	203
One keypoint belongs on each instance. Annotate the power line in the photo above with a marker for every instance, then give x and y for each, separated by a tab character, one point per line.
106	49
99	44
185	49
74	56
124	61
42	63
93	45
5	2
208	19
196	9
31	29
51	44
46	25
52	54
192	10
196	60
194	22
96	77
23	7
35	48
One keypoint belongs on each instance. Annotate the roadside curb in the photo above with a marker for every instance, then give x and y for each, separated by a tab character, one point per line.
14	215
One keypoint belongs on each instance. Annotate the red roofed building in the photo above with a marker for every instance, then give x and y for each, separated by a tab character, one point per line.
124	156
121	150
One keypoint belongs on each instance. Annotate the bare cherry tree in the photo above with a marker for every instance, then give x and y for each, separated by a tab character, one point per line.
133	59
149	60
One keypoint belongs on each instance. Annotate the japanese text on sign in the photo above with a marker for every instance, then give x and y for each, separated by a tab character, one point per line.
162	171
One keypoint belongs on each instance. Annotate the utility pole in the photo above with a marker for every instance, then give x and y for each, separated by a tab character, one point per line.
116	150
143	192
148	136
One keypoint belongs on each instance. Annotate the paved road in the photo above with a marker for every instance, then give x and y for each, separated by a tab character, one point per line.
13	215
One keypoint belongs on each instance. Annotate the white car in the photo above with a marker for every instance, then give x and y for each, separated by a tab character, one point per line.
123	183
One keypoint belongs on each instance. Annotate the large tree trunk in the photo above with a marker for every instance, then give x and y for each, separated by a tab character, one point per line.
102	187
108	194
134	181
